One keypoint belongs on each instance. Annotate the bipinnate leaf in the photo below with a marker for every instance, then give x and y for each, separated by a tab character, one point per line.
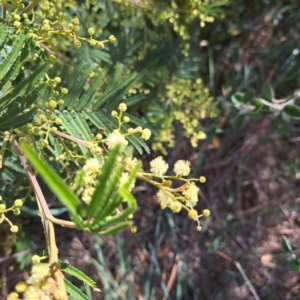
53	180
74	291
102	193
108	197
77	273
13	54
115	229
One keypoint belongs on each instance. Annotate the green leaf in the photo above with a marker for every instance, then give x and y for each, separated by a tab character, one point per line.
100	198
297	223
77	273
267	92
258	107
237	98
285	244
14	3
116	228
25	86
123	193
53	180
248	96
293	263
3	34
17	121
13	54
292	110
238	122
134	99
75	291
69	124
76	86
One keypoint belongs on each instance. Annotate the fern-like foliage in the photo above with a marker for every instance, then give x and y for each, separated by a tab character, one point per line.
89	102
18	94
17	90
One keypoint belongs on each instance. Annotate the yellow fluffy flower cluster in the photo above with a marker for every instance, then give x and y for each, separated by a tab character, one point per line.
188	102
183	197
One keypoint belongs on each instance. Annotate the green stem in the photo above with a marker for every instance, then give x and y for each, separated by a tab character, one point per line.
30	6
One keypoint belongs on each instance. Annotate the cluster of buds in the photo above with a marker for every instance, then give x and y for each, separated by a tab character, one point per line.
47	32
112	140
44	123
176	198
16	211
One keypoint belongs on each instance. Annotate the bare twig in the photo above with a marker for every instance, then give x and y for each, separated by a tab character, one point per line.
15	255
47	218
241	270
174	271
71	138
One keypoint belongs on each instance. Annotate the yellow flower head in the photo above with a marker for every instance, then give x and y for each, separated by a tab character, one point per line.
158	166
122	107
92	166
191	195
182	168
175	206
146	133
206	213
115	139
163	199
193	214
202	179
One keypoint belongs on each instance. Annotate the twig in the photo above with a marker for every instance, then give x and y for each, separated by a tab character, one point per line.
47	218
15	255
174	271
241	270
71	138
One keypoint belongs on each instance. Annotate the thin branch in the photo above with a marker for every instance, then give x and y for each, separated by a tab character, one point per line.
241	270
174	271
15	255
71	138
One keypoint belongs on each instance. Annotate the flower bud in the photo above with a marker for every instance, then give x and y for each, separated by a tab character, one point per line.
18	202
77	44
14	228
112	38
44	143
75	21
16	211
202	179
64	91
100	45
17	24
206	213
36	259
91	31
122	107
58	121
57	79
